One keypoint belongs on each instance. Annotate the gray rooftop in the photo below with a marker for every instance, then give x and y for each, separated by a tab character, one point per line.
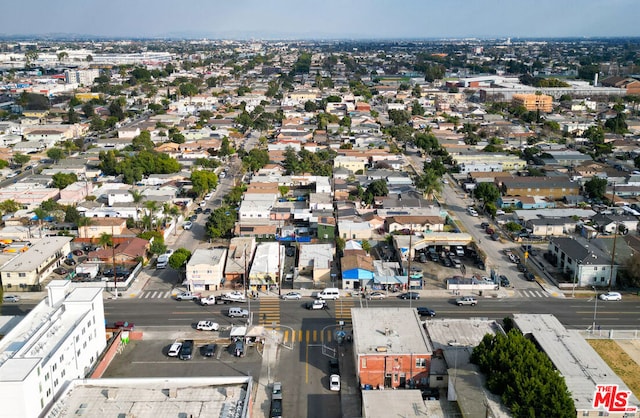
224	397
403	403
36	255
395	330
579	364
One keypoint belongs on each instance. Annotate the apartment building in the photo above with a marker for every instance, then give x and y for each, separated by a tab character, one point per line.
56	342
81	77
534	102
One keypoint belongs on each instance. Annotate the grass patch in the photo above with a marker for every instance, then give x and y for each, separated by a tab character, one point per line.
624	366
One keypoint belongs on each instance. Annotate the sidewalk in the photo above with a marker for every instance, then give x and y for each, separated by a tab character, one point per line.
264	383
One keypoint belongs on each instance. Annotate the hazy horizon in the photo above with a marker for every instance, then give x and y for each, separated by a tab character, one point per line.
355	19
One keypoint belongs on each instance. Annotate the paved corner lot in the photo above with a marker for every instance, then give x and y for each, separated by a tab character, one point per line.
148	358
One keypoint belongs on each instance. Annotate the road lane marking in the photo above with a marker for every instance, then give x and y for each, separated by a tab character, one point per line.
315	335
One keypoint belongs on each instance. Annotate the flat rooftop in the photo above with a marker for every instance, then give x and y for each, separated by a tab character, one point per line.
446	333
394	330
36	255
403	403
223	397
579	364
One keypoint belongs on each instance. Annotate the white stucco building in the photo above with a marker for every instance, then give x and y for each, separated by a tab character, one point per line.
205	269
56	342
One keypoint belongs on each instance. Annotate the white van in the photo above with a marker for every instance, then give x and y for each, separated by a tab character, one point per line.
329	293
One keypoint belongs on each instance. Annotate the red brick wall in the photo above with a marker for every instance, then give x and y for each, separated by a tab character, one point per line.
373	368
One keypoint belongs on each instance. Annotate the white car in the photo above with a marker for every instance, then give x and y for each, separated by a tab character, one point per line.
11	298
500	212
187	225
334	383
235	295
207	326
611	296
208	196
174	350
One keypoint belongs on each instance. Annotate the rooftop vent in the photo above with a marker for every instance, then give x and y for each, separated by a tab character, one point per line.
381	349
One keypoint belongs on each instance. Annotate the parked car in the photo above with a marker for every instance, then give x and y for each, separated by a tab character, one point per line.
424	311
290	252
61	271
198	210
495	236
174	350
207	326
207	211
446	262
187	225
410	295
235	295
291	296
376	296
529	276
504	281
186	351
484	225
209	350
334	383
611	296
70	262
11	298
334	366
521	268
237	348
77	253
490	231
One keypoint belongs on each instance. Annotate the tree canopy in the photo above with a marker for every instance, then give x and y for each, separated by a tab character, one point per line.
179	258
203	181
62	180
134	167
523	376
488	192
221	222
596	187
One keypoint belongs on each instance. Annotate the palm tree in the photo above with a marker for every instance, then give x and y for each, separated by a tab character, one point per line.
137	198
174	212
429	183
152	208
84	221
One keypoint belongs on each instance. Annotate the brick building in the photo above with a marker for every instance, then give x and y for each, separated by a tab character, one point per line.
391	347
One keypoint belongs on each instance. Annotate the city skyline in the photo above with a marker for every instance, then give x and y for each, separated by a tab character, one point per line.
357	19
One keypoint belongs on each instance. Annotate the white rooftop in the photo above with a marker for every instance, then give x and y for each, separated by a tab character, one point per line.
36	255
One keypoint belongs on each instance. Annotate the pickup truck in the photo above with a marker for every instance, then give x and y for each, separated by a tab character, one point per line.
187	296
467	300
224	299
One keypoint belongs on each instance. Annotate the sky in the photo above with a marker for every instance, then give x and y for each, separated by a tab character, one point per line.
323	19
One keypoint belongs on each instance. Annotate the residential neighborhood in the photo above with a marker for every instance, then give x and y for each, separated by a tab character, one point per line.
425	201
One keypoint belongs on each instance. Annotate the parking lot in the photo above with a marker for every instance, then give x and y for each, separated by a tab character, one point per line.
148	358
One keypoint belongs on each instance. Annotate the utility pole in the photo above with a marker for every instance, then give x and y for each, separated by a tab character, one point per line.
113	257
615	237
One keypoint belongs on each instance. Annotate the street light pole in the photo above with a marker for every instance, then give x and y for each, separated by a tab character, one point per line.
595	310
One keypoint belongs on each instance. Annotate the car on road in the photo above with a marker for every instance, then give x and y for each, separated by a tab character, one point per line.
11	298
187	225
495	236
611	296
317	304
410	295
186	351
235	295
291	296
424	311
504	281
238	312
207	326
490	231
521	268
209	350
529	276
484	225
466	300
187	296
207	211
334	383
174	350
290	252
376	296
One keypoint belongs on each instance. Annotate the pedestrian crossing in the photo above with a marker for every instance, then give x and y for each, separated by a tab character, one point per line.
156	294
309	336
343	310
530	293
269	312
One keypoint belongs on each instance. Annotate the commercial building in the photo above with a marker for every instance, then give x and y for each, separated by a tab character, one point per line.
58	341
205	269
390	347
578	363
